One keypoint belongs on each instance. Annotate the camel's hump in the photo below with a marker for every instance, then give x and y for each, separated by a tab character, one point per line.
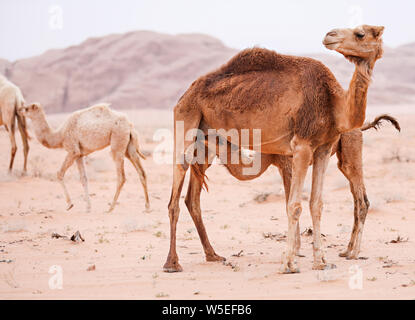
260	59
96	109
101	105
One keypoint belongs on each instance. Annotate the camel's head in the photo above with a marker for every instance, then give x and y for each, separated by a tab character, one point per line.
32	110
363	43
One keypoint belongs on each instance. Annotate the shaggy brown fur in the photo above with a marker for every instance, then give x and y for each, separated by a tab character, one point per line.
255	79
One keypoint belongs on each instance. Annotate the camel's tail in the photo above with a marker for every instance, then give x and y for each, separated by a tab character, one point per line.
201	176
375	124
134	141
195	168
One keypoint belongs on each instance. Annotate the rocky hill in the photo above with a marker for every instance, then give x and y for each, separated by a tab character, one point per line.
4	64
144	69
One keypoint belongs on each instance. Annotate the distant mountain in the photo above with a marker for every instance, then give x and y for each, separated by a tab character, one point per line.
134	70
4	64
144	69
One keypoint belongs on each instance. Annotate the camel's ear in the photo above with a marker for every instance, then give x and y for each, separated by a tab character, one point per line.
34	106
378	31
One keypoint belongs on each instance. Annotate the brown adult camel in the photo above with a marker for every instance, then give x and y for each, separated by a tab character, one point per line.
349	153
301	110
11	99
85	131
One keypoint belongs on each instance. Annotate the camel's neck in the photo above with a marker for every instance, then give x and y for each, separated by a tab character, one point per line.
356	97
46	136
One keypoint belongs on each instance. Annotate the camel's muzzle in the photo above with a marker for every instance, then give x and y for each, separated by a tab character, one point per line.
332	39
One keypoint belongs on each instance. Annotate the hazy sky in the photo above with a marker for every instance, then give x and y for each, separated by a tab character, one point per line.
29	27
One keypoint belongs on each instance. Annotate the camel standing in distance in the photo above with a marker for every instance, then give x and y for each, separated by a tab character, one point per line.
301	110
84	132
349	153
11	100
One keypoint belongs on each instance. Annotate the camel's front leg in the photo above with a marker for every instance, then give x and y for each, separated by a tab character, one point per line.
361	206
13	148
320	162
350	164
69	160
302	155
84	181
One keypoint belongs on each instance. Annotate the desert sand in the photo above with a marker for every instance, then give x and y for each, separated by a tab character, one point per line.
246	223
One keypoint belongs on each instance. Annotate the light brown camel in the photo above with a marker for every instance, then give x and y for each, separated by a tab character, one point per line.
11	99
84	132
301	110
349	154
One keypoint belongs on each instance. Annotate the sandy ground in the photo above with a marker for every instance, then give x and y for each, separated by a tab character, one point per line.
128	247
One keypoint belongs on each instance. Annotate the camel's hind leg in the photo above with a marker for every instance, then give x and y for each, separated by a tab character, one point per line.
13	148
190	120
120	138
135	160
302	155
193	205
119	164
21	122
69	160
84	181
349	154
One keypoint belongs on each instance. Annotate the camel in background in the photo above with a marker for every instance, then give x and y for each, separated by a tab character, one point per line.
301	110
349	153
84	132
11	100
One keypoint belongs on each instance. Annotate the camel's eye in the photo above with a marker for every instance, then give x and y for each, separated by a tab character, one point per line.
360	34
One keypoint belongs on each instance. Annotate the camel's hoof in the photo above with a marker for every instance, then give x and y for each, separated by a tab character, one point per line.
324	266
215	257
70	206
289	269
110	210
349	255
288	264
147	210
172	267
343	254
352	257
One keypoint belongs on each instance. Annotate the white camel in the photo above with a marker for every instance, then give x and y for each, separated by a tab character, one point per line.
84	132
11	100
